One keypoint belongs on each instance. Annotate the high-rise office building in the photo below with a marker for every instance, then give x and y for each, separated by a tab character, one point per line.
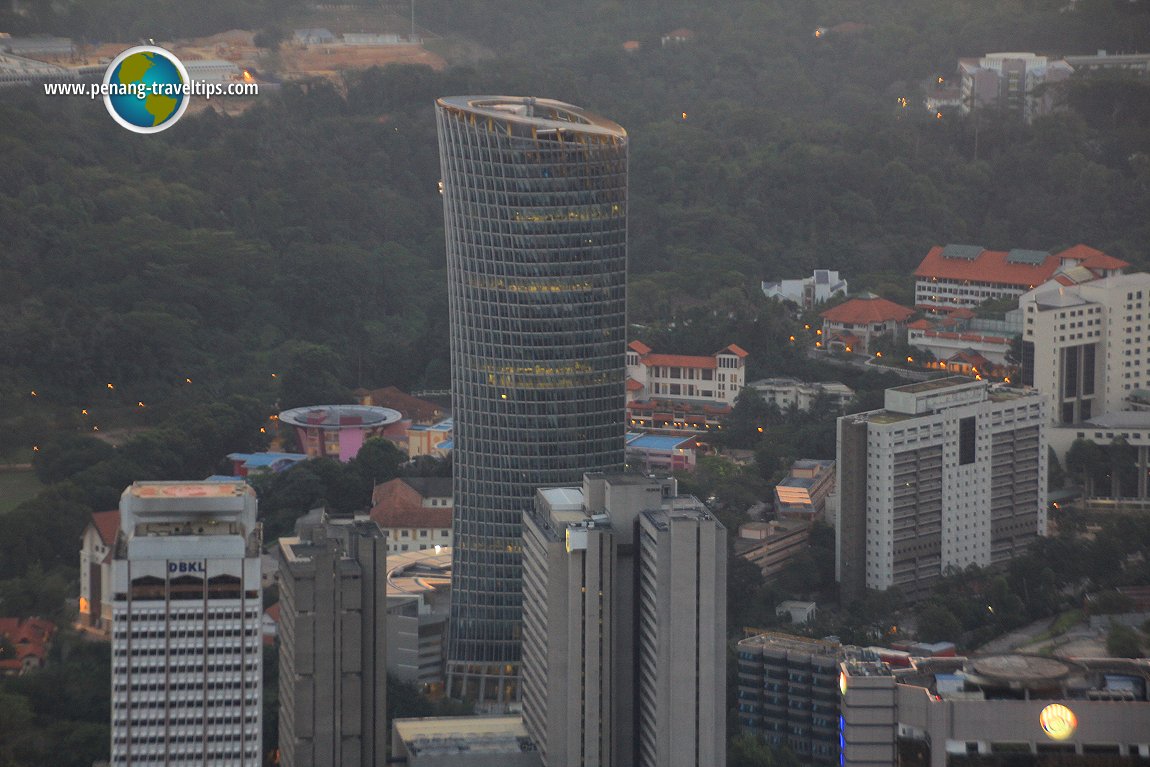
333	637
952	472
186	645
535	202
624	626
1085	346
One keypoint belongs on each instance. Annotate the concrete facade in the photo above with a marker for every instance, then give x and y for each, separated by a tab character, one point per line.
950	473
333	644
599	570
187	653
947	711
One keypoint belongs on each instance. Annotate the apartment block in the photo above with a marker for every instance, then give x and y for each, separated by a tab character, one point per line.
952	472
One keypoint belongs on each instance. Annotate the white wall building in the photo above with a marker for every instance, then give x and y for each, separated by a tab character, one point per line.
786	393
808	292
1087	346
950	473
717	378
186	645
96	547
969	275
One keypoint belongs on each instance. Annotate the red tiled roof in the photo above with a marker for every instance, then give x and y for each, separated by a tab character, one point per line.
971	357
1092	259
398	504
738	351
680	361
423	516
961	313
990	266
639	346
1062	279
920	324
862	311
412	407
633	385
107	524
29	637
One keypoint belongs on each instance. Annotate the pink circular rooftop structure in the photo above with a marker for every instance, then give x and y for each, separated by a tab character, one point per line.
338	431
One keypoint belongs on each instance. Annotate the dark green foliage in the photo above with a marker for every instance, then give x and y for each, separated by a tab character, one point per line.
60	714
1123	642
404	700
67	455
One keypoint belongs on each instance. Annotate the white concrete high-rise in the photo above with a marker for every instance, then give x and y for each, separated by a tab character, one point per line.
952	472
186	645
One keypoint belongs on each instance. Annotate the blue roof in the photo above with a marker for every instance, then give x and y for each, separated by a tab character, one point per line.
447	444
223	478
444	425
261	460
656	441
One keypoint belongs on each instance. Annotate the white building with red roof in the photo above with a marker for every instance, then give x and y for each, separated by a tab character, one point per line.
968	275
853	325
96	547
717	378
415	512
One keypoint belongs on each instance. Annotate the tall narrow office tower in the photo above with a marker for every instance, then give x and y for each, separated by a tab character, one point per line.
333	636
535	202
624	626
186	607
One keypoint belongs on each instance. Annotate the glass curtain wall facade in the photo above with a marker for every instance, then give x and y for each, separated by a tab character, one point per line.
535	204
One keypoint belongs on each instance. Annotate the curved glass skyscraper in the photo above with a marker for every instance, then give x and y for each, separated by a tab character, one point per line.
535	208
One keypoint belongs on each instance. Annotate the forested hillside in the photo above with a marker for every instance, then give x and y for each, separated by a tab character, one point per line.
213	250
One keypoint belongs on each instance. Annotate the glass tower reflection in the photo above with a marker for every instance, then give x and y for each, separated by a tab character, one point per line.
535	209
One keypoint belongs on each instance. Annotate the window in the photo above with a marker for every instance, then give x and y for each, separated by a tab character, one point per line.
966	441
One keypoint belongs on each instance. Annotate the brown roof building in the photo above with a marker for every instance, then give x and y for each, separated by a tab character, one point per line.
853	325
414	511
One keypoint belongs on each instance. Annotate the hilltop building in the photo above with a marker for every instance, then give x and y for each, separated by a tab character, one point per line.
1010	81
969	275
537	320
808	292
854	325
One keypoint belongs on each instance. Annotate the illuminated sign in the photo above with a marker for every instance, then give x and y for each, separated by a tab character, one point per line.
843	682
1058	722
186	567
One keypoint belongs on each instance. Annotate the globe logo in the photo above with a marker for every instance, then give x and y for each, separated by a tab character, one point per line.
146	89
